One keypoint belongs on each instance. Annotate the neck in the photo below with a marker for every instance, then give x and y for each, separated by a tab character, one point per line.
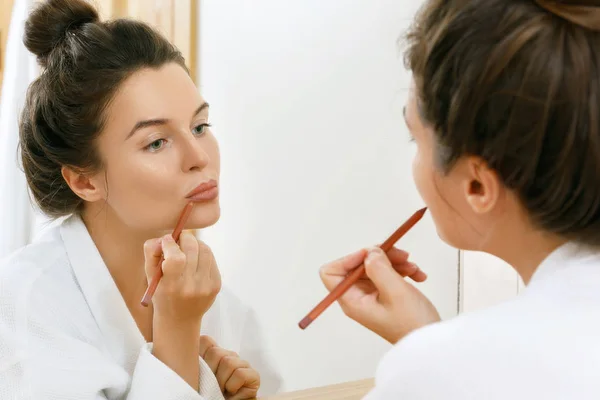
522	246
121	248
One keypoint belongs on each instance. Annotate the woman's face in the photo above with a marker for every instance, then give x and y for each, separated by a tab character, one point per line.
157	148
453	199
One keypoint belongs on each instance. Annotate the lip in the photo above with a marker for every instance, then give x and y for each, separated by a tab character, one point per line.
205	191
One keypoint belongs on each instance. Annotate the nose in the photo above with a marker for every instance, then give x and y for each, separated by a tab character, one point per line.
194	156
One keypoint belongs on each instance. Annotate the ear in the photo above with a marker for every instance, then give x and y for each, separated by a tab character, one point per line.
88	187
483	186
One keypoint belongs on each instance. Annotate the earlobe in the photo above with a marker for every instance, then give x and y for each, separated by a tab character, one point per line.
82	185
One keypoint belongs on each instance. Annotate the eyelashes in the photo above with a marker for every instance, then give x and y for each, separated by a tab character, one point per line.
202	128
158	144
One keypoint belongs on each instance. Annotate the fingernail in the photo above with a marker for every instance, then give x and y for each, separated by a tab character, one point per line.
373	253
363	252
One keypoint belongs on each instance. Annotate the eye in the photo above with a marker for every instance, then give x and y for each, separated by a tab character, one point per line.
199	130
156	145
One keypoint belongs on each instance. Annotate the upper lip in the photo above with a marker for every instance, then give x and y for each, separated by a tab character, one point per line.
202	188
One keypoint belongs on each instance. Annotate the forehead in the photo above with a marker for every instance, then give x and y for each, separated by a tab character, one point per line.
166	92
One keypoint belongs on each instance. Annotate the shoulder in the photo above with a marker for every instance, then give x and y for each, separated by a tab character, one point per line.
25	267
456	358
37	282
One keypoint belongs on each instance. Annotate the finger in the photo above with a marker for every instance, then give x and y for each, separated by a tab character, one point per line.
406	268
152	256
207	274
397	256
345	264
385	278
214	355
206	342
243	378
175	260
399	260
189	246
411	270
227	367
419	275
244	394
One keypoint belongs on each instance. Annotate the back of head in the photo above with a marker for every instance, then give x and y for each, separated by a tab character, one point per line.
517	83
84	61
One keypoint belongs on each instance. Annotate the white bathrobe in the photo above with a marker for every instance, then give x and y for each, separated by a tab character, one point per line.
544	344
66	333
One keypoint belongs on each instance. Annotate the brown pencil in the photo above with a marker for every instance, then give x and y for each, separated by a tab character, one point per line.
187	210
355	275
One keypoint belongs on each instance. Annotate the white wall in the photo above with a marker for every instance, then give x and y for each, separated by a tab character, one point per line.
486	280
306	101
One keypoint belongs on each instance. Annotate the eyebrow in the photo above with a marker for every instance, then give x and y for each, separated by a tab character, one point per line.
160	121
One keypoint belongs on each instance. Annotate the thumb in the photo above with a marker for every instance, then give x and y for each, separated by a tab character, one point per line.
380	271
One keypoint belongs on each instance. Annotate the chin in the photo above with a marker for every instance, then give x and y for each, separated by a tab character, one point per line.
204	215
454	239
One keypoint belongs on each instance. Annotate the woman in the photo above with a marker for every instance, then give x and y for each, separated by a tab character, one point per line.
115	138
504	110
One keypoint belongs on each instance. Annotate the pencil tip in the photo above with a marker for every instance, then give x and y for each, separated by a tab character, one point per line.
306	321
422	210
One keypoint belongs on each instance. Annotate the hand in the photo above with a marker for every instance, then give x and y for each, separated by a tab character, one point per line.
382	301
190	281
187	289
237	380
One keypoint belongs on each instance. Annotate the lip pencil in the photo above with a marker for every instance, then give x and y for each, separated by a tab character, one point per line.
356	274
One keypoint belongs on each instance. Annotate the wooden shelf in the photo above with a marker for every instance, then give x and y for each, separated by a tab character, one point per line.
345	391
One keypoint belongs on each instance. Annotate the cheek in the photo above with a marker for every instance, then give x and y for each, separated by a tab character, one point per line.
147	190
433	187
140	174
141	187
422	177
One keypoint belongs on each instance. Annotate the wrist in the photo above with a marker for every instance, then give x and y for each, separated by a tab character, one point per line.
177	346
174	328
168	320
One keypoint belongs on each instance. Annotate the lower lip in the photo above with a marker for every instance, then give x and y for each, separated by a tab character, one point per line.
207	195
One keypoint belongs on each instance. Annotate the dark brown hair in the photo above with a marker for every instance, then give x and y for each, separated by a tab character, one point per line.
84	61
517	83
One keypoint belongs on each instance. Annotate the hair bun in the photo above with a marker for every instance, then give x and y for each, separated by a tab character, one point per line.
49	23
585	13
